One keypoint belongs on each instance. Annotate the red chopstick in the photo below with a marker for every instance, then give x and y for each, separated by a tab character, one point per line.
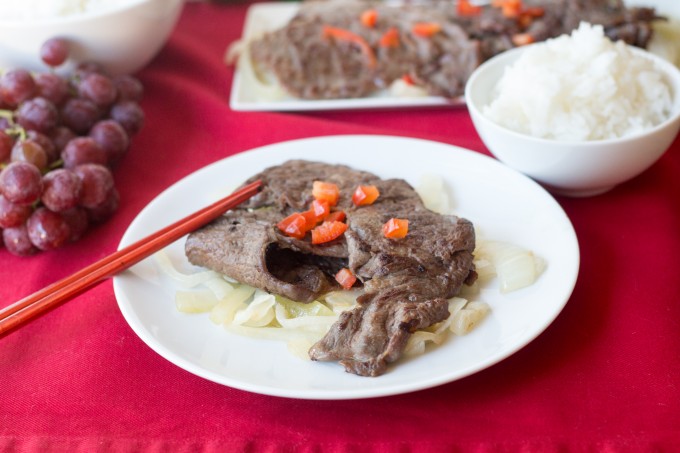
49	297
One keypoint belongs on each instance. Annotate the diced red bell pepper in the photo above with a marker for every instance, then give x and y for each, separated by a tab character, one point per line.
528	15
336	216
511	8
395	228
328	231
465	8
407	79
426	29
346	278
390	38
321	209
326	191
369	18
310	219
295	225
365	195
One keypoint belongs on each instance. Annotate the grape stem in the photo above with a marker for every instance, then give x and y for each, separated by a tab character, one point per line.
13	129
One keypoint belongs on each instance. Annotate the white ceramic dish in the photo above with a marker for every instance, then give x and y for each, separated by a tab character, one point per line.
123	39
263	17
570	167
504	205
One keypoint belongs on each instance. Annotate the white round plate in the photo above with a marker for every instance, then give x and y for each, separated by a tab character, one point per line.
503	204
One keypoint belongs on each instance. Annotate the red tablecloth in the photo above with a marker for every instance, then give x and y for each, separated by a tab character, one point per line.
603	377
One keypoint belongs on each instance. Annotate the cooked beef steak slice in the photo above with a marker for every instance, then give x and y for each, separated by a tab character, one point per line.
406	281
369	337
311	65
247	247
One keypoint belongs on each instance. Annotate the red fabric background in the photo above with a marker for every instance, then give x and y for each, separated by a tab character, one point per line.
603	377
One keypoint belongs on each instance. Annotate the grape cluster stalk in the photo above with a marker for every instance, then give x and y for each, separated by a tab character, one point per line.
60	139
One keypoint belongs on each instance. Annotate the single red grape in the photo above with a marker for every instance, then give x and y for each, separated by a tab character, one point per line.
129	88
52	87
54	52
106	209
130	115
17	241
97	183
60	136
37	114
11	214
77	221
98	88
47	230
16	86
46	143
113	139
83	150
61	190
79	115
30	151
21	183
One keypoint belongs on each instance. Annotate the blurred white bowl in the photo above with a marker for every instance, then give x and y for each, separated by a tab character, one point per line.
570	167
123	39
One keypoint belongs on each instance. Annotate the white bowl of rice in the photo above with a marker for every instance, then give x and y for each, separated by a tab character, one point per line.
122	35
579	114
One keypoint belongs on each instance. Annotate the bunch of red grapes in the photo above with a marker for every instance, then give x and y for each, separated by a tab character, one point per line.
60	137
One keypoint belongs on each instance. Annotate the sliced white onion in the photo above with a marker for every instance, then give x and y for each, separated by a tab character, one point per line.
340	301
469	317
433	192
258	313
263	90
665	41
402	89
184	280
225	310
485	269
515	266
234	51
294	309
456	304
312	323
219	287
470	291
416	342
195	301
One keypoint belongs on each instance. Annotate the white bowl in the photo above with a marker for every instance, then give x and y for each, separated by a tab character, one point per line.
570	167
123	39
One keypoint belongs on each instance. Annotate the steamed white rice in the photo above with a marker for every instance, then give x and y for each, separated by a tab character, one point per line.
580	87
28	10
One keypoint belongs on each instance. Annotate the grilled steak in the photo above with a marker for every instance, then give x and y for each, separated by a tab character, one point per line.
313	64
406	281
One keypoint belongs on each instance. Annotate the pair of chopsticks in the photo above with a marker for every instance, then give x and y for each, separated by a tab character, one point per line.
49	297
